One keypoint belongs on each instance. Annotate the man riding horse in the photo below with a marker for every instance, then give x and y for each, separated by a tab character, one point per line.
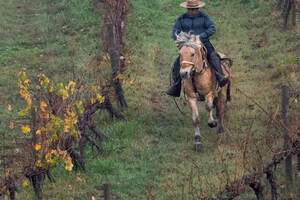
200	24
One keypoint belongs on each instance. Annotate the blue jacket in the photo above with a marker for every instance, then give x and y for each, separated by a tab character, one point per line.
201	25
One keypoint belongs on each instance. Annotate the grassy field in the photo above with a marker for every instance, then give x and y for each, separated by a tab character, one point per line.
149	155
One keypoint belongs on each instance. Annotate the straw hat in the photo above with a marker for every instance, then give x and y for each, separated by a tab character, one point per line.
192	4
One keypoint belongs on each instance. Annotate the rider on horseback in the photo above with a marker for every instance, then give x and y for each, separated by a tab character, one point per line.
200	24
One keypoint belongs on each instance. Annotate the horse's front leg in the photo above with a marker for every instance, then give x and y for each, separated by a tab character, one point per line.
193	105
209	100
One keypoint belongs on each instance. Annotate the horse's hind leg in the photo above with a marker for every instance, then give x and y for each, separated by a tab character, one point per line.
196	122
209	107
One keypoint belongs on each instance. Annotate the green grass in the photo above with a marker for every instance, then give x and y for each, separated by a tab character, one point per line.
150	154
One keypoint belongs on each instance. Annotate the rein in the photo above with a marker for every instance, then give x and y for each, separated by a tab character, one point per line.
170	77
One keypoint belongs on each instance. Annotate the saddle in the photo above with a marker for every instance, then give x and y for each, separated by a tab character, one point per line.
226	64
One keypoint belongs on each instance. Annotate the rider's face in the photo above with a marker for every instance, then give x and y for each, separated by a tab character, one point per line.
192	12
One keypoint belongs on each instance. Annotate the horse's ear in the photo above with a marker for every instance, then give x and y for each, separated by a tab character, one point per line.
198	39
194	38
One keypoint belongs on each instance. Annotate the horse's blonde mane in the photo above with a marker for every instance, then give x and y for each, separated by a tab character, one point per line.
188	39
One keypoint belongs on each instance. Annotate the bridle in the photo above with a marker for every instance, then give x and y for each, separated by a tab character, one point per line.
201	50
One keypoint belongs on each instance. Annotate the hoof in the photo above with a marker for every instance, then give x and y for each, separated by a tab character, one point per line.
197	147
201	98
213	124
221	130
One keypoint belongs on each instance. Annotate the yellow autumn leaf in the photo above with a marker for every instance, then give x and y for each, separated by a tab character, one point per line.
51	157
11	125
60	85
37	147
38	132
131	81
25	129
69	164
43	106
93	100
26	82
45	115
80	107
69	167
71	84
94	88
9	107
39	163
29	102
25	183
47	81
51	88
120	76
71	87
65	94
67	127
100	98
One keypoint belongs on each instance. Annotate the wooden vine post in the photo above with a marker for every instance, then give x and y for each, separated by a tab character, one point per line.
287	143
113	42
115	65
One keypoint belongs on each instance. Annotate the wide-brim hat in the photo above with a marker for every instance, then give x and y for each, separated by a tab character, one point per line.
192	4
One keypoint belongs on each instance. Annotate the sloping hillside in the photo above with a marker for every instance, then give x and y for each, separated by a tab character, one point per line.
149	155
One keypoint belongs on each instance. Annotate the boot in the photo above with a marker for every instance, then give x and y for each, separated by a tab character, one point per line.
175	89
215	62
176	86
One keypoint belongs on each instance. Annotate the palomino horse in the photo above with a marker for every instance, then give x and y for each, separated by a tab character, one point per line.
200	79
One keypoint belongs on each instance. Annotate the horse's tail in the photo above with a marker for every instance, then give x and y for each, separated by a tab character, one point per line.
229	62
228	92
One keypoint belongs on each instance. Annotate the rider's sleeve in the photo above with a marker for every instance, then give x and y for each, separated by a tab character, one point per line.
210	28
177	28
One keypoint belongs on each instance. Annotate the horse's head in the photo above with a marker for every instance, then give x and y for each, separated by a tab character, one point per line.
191	54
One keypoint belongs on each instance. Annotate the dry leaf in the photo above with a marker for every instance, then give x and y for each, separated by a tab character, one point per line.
9	107
292	74
11	125
25	129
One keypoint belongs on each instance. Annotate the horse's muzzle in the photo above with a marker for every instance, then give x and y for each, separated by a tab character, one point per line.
185	74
